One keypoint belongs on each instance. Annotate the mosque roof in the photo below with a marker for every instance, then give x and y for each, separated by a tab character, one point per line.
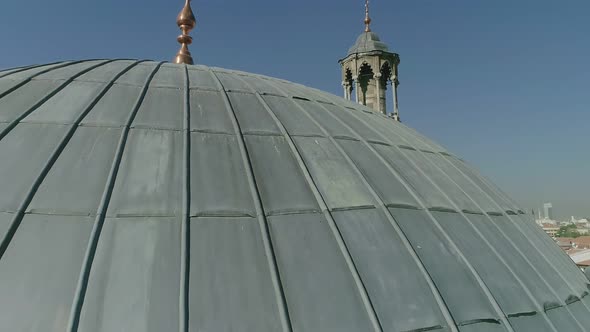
146	196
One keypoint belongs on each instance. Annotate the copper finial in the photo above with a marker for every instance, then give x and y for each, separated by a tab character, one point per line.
367	18
186	22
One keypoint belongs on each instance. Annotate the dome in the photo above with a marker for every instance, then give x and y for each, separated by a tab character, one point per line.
142	196
368	42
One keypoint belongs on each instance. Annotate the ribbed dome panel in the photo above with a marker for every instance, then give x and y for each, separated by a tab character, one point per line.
144	196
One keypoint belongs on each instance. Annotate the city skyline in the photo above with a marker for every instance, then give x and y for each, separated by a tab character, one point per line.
506	76
545	211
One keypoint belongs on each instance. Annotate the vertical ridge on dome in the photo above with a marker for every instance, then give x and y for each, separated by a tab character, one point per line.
201	198
557	260
10	71
427	176
185	234
24	203
263	223
564	268
55	153
440	302
323	207
17	84
490	298
82	285
449	320
498	228
24	114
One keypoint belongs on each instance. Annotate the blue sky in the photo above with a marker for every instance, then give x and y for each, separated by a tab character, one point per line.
503	84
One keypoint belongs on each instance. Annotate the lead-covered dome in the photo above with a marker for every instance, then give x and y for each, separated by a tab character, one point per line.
367	42
140	196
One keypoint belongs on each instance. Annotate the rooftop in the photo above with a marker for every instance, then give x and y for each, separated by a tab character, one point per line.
137	195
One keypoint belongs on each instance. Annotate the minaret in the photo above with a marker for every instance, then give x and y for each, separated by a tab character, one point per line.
368	69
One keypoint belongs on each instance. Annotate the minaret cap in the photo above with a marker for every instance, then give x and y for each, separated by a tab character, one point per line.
367	18
186	22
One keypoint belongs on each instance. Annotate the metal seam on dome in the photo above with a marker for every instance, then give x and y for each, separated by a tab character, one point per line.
160	128
280	299
379	142
478	213
403	206
510	240
548	306
28	79
202	88
309	135
54	156
35	212
352	208
572	299
477	321
484	288
26	113
211	132
82	285
221	215
260	133
409	131
8	72
183	305
441	209
434	290
489	193
345	138
327	214
426	329
521	314
478	232
291	212
322	203
21	210
491	213
565	280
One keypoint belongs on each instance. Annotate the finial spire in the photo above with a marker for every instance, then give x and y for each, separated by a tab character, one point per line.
367	18
186	22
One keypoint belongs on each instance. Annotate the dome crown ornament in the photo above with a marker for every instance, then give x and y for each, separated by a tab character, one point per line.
186	22
367	18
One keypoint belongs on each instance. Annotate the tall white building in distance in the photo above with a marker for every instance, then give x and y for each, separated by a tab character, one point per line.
548	209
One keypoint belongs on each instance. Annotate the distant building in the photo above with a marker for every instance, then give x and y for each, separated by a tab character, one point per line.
550	229
581	258
581	242
548	209
565	245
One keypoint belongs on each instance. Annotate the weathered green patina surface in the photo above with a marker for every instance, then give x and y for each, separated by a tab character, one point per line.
141	196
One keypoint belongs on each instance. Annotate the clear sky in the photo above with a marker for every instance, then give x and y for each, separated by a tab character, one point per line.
504	84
